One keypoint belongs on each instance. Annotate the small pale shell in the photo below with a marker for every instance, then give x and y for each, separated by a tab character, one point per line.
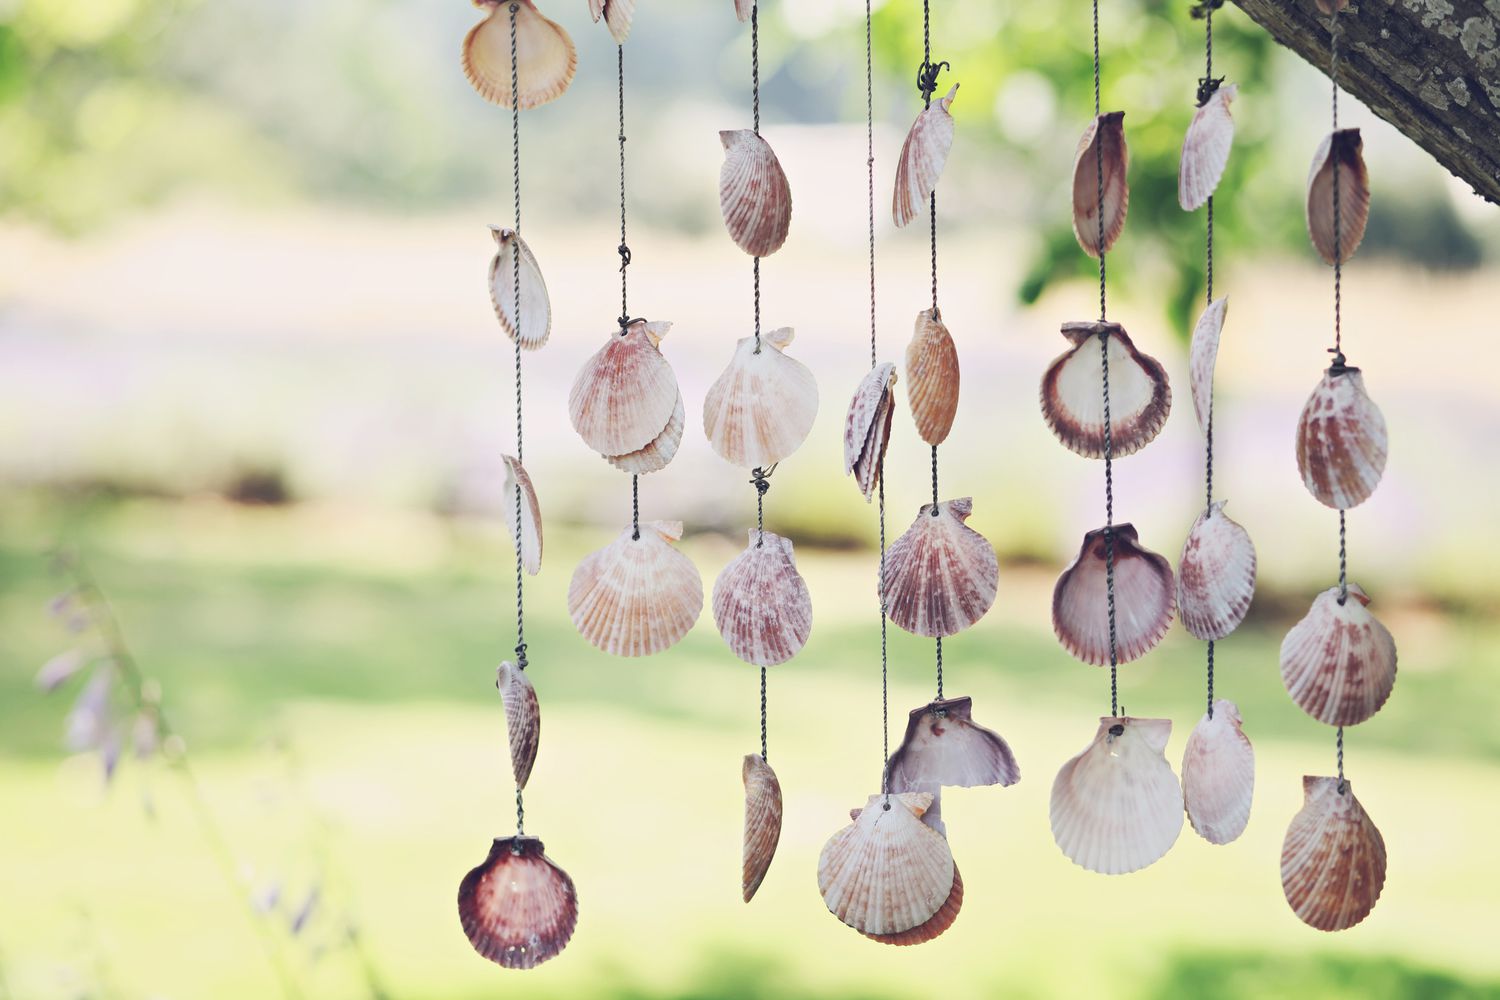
762	822
518	908
656	455
935	924
932	377
742	9
545	57
519	500
945	746
867	427
1072	393
636	596
1339	663
523	719
1117	807
761	603
1333	858
753	194
1203	355
1205	150
941	575
762	407
1340	152
923	156
1215	576
1102	147
1341	441
617	15
1144	599
1218	775
536	307
887	872
624	396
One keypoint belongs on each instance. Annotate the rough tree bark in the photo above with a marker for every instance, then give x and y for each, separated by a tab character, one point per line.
1429	67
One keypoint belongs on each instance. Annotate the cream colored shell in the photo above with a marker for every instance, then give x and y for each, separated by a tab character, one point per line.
519	501
1203	354
536	307
932	377
761	409
887	872
636	596
1205	150
545	58
945	746
617	15
754	195
1102	154
1215	576
867	427
923	157
1333	857
1072	393
1218	775
626	393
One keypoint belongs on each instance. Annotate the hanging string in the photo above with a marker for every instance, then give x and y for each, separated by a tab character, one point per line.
1206	87
1337	351
515	155
759	478
624	247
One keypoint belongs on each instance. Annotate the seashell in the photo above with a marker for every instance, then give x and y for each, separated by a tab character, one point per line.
935	924
624	396
523	720
1339	662
761	603
1340	151
1144	599
636	596
762	821
932	378
941	575
753	193
742	9
1073	393
518	908
1205	150
1218	775
1333	857
867	427
933	814
923	156
617	15
656	455
1108	132
536	307
945	746
762	407
1202	356
886	872
545	57
1341	441
1215	576
1117	807
520	501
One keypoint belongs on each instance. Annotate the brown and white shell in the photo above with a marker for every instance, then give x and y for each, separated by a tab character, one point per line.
762	407
536	307
1117	807
1203	355
1101	147
1205	150
945	746
1215	576
754	195
625	395
762	822
519	501
1218	775
923	156
1341	441
523	719
1144	598
617	15
518	908
761	603
1333	857
636	596
545	57
1339	663
660	452
742	9
935	925
1341	153
941	575
1072	393
867	427
932	377
887	872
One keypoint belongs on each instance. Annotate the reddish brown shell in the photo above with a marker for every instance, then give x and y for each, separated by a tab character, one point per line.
935	924
754	195
1144	599
1215	576
867	427
625	394
1101	148
1339	663
1205	149
945	746
1072	393
1333	857
932	377
762	822
523	719
1341	441
941	575
1340	153
923	156
518	908
761	603
545	57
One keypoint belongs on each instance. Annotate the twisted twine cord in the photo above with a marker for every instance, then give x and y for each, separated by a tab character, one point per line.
927	76
1206	87
759	478
1338	337
515	155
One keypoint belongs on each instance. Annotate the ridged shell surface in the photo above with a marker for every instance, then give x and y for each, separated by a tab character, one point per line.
545	57
519	501
536	307
887	872
935	925
624	396
1215	576
1203	355
1339	663
932	377
867	427
945	746
1108	132
762	822
923	156
761	603
518	908
523	719
636	596
754	195
617	15
659	453
742	9
941	575
761	409
1072	393
1333	858
1205	150
1144	599
1341	152
1341	441
1218	775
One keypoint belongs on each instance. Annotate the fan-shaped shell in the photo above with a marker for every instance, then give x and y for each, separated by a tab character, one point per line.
520	502
1341	441
660	452
545	57
867	427
754	195
1073	393
1215	576
932	378
941	575
1218	775
762	822
636	596
762	407
887	872
923	156
1333	857
761	603
1202	356
1205	150
523	719
1341	152
624	396
1144	599
617	16
518	908
536	307
1117	807
935	925
1339	662
945	746
1102	147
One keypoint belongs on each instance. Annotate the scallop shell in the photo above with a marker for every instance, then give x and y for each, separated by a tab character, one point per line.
523	720
520	501
1202	356
1341	441
1215	576
1205	150
1333	857
1117	807
1339	662
761	603
518	908
1144	599
923	156
762	407
1218	775
617	16
545	57
636	596
867	427
935	924
656	455
1108	130
762	822
624	396
887	872
536	307
1073	393
932	378
1340	151
753	194
945	746
941	575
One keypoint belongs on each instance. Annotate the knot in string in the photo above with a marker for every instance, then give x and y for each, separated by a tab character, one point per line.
624	252
1207	85
927	76
521	655
1340	363
761	480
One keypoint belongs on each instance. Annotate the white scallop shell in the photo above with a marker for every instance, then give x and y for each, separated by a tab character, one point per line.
656	455
1339	663
945	746
1218	775
762	407
941	575
1333	857
923	156
636	596
1144	599
1215	576
617	16
1205	150
1340	151
545	57
519	500
753	193
536	307
887	872
1072	393
932	378
761	603
1341	441
1108	131
1202	356
867	427
624	396
523	719
762	822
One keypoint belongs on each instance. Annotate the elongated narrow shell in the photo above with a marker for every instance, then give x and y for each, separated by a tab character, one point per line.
1333	858
753	193
1144	599
1073	393
1205	150
660	452
945	746
1215	576
1117	807
520	502
523	719
941	575
545	57
887	872
761	603
935	925
923	156
1218	775
518	908
932	378
624	396
1341	441
867	427
1105	135
1339	662
1341	152
1203	355
636	596
762	822
617	16
742	9
536	307
762	407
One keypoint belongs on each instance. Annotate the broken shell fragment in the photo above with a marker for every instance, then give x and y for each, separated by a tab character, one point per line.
1202	356
636	596
887	872
1336	232
1341	440
1215	576
762	822
1144	598
1205	150
945	746
932	378
518	908
867	427
545	58
1072	393
625	395
520	502
762	407
1333	857
1339	663
660	452
941	575
923	156
617	16
1101	165
761	603
1218	775
536	307
934	925
753	193
523	719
